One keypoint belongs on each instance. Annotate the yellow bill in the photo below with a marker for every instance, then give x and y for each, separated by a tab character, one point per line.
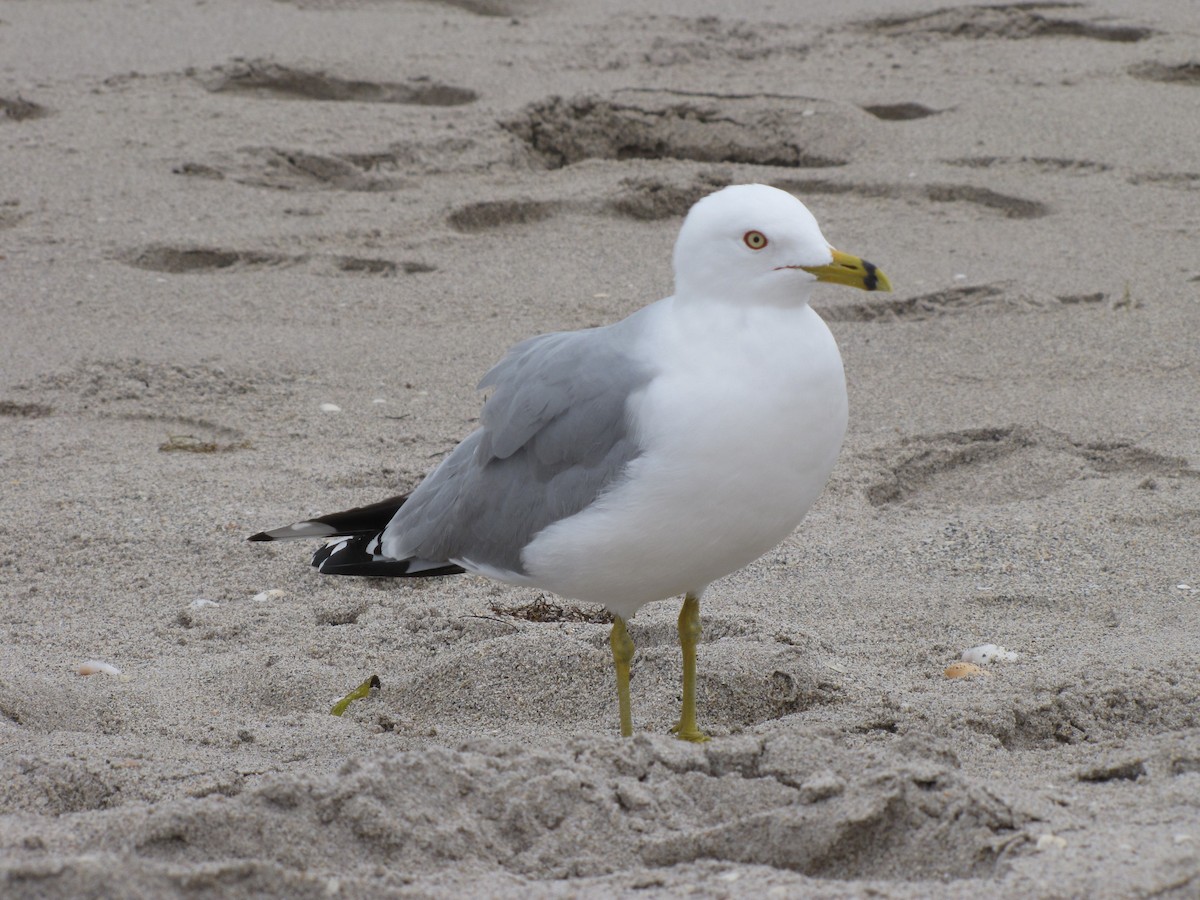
851	270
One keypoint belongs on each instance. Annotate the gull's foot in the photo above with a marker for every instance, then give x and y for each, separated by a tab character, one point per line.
695	735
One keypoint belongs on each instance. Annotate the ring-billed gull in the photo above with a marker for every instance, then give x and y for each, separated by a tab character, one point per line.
644	459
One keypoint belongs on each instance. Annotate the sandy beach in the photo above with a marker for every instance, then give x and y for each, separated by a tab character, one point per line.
255	256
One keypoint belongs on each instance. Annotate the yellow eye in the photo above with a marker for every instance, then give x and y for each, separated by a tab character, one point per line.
755	240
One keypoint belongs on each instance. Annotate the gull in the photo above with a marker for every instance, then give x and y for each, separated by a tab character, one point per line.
645	459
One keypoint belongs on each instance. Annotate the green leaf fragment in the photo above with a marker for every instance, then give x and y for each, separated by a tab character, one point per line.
359	693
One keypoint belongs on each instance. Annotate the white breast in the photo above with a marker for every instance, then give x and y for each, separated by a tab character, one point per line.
740	432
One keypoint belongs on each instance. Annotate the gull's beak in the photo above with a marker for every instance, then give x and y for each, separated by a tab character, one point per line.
850	270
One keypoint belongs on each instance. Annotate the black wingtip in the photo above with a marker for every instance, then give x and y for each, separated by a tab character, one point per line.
351	557
368	520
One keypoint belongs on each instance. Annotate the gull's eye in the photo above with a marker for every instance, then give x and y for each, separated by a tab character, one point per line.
755	240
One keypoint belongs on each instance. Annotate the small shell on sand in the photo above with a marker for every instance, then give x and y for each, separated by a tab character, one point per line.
330	407
986	653
963	670
272	594
1050	842
95	667
202	603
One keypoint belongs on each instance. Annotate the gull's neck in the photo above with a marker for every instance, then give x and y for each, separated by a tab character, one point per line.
781	294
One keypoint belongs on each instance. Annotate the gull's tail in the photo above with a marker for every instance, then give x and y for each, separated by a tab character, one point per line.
353	547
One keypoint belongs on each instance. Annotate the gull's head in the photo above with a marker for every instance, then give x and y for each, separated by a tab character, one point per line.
751	243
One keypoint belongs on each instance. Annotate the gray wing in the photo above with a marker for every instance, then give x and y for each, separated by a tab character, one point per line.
554	434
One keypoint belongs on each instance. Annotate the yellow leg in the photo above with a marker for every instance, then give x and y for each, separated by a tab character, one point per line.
622	650
689	636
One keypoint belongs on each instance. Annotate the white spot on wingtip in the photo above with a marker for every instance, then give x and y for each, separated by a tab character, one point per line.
309	529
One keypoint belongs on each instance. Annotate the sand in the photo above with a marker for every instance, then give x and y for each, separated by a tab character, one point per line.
217	217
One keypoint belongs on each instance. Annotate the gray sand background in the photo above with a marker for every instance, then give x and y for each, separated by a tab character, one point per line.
217	216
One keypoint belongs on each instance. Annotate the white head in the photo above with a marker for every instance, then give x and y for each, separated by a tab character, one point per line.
753	243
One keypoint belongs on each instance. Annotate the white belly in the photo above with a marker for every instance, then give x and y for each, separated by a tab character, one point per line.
740	432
